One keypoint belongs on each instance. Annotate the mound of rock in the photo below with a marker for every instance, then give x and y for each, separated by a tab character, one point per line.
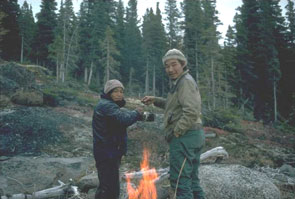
236	181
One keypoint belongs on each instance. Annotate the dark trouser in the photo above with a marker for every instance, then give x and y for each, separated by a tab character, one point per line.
108	175
185	154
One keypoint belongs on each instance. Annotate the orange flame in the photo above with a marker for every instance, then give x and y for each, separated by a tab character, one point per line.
146	188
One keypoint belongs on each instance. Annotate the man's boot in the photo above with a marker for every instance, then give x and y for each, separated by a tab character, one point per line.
100	194
172	194
198	196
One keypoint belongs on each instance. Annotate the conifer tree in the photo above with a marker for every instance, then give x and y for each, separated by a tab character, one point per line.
173	24
46	24
132	53
154	43
3	31
193	33
229	60
11	42
109	53
247	40
27	30
286	101
64	52
119	30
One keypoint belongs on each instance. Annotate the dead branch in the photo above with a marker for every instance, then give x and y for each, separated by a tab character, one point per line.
57	191
217	153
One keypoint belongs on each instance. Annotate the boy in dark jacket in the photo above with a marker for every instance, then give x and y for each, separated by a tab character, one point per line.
110	137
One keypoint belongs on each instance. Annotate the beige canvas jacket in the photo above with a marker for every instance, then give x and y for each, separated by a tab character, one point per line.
182	106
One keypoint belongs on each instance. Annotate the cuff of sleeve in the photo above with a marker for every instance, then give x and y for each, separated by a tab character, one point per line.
139	116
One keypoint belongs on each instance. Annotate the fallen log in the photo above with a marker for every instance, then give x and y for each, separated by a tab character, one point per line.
60	190
218	153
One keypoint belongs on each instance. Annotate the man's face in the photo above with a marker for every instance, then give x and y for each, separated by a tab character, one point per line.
173	68
117	94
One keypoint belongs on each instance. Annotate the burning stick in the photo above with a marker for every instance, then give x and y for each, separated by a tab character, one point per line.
147	188
152	177
218	152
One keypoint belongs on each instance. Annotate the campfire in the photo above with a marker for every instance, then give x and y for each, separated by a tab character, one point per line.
146	188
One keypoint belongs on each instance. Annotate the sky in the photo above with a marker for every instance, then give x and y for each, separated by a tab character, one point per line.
226	9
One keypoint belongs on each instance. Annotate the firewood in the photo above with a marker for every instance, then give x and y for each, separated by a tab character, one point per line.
57	191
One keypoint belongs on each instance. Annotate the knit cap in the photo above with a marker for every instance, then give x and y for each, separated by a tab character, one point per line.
111	84
174	54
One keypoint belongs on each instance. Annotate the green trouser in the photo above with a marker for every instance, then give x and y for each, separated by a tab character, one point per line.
185	152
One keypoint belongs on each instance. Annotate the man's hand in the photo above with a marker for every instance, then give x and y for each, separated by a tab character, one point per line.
147	100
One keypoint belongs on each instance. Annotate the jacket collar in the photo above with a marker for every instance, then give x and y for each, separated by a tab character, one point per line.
175	82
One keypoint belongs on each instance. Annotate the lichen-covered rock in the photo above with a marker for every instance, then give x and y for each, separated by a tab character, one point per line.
236	181
14	76
88	182
40	173
4	101
28	98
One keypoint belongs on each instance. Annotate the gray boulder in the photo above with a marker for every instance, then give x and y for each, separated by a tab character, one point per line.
28	97
28	174
236	181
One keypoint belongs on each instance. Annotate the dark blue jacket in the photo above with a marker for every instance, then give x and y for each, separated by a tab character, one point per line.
109	125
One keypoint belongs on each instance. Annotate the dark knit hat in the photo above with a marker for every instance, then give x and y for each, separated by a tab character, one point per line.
111	84
174	54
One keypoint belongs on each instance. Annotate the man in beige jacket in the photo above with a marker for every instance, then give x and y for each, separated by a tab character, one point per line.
183	126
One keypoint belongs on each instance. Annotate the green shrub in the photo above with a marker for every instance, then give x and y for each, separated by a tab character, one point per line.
224	119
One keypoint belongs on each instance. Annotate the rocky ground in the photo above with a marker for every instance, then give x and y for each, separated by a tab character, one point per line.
46	136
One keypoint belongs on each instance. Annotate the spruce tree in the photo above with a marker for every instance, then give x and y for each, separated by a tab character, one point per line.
173	24
27	30
286	101
11	42
211	52
229	60
63	53
109	54
193	33
132	54
46	24
119	30
246	24
3	31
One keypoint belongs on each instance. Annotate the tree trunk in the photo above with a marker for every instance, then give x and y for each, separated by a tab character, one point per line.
85	74
213	83
22	51
108	62
147	78
130	80
154	81
226	88
57	70
69	49
64	51
275	101
197	63
90	73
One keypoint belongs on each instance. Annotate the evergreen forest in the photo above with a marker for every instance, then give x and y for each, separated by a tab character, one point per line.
252	72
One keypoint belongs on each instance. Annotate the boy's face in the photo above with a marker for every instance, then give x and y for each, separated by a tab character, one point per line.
173	68
117	94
